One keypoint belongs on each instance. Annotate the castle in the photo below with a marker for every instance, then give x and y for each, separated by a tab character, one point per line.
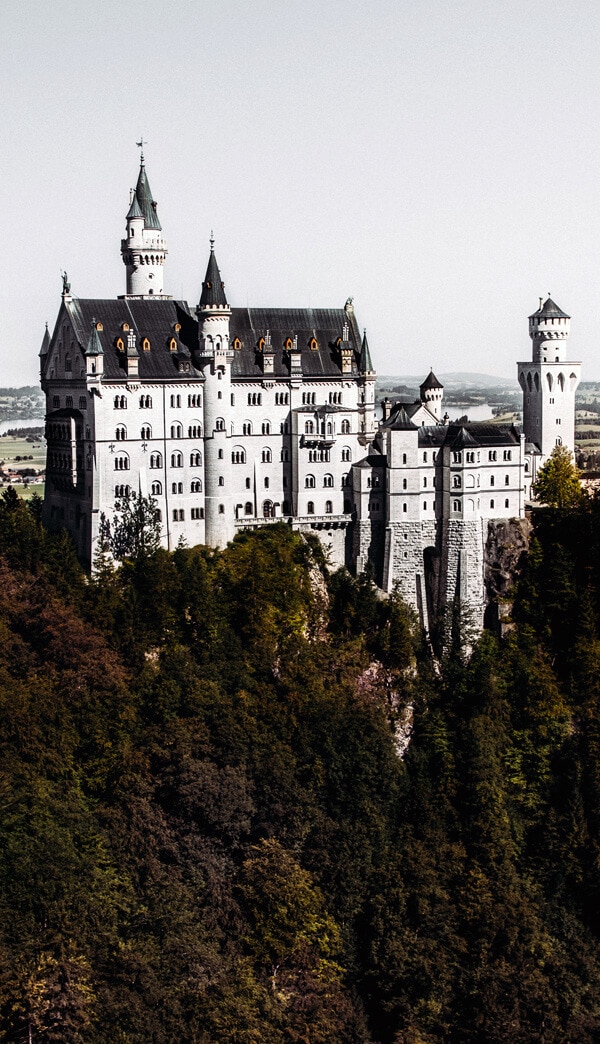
233	417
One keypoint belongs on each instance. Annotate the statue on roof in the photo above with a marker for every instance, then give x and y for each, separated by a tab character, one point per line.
66	284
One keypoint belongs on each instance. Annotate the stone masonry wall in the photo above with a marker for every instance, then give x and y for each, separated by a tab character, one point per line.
463	552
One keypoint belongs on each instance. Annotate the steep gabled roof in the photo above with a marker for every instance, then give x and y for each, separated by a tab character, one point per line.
45	342
400	421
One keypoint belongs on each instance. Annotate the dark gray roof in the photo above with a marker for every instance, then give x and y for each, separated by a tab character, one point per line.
213	288
430	381
323	325
135	211
365	364
45	342
93	346
550	310
457	435
156	320
144	198
400	421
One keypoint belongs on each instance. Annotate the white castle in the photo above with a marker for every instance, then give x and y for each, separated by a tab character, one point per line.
233	417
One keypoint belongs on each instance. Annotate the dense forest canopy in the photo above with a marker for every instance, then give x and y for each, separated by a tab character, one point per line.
209	833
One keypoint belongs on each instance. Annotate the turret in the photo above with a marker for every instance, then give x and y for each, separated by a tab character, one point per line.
432	394
214	358
549	330
143	250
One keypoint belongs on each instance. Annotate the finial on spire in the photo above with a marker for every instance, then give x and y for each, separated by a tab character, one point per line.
140	144
212	241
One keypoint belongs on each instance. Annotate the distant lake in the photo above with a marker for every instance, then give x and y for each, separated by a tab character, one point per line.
26	422
474	413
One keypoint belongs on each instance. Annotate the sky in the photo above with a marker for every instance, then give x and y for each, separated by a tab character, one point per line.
436	160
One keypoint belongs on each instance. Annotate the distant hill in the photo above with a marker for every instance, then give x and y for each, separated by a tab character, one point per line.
455	380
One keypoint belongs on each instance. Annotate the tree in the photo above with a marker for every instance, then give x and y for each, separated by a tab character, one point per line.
135	529
558	483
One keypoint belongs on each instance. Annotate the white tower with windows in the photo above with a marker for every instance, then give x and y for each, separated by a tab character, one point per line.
144	250
549	382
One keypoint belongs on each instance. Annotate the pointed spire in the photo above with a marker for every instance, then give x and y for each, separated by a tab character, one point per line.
45	342
365	365
135	211
93	346
213	288
143	194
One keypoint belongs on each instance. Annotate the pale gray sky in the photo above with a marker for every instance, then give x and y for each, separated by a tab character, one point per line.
436	160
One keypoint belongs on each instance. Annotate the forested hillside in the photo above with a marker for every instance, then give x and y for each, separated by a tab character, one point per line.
209	835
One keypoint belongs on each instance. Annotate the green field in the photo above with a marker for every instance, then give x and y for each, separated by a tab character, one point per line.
12	447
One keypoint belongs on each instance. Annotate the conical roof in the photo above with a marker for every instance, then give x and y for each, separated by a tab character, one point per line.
135	211
550	310
93	346
45	342
213	288
430	381
365	365
146	204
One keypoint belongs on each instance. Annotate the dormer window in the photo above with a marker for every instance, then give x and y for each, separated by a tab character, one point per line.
289	344
172	345
146	344
120	344
125	327
237	344
314	344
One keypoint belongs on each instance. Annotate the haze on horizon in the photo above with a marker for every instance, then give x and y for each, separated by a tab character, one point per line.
437	162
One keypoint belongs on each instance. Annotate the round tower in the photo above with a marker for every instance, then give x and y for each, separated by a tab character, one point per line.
143	250
215	357
432	394
549	330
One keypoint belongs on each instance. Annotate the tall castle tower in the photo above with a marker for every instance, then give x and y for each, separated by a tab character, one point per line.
144	250
549	382
215	358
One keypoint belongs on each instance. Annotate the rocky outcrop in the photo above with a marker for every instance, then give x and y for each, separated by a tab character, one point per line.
504	555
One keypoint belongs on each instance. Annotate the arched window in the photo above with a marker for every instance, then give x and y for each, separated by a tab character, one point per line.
507	480
156	489
328	507
238	455
121	433
507	503
156	460
492	480
492	503
176	401
268	509
346	453
456	505
221	509
310	508
121	462
219	424
195	430
177	459
309	482
68	364
309	428
266	456
456	482
196	486
146	432
404	458
196	459
176	431
345	427
145	402
266	427
177	487
248	508
328	481
246	428
122	491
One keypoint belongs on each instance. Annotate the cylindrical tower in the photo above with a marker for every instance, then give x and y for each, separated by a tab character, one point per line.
143	250
549	330
215	358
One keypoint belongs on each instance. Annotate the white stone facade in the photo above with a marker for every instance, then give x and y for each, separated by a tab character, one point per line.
235	417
